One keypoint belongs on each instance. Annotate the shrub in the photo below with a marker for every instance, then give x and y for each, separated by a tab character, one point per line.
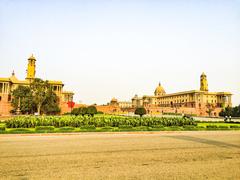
211	126
234	126
2	128
140	111
107	127
20	130
125	127
97	121
66	128
223	127
88	127
158	126
189	127
44	128
91	110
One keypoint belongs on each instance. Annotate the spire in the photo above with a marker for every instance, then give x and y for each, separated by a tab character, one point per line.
32	57
13	73
159	83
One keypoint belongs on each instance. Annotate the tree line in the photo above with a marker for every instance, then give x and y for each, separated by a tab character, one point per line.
231	111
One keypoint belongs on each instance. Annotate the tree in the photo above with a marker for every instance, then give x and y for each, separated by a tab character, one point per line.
50	104
75	111
39	90
22	96
229	111
83	111
91	110
80	111
140	111
39	97
210	109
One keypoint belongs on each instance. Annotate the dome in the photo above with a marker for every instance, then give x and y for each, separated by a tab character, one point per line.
159	91
114	100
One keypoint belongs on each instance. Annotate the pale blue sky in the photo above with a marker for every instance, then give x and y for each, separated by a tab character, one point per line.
119	48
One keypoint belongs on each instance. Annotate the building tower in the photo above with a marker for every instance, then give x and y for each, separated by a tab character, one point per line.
159	91
203	82
31	69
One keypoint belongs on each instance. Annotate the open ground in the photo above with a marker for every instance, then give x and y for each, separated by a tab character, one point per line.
126	155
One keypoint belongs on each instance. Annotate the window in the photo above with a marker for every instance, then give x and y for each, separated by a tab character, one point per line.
0	98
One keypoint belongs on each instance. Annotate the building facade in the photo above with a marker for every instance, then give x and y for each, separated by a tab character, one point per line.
198	102
7	85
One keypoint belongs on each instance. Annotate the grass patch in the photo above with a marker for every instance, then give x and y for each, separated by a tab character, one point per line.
20	130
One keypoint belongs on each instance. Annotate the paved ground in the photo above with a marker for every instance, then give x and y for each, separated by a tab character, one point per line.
160	155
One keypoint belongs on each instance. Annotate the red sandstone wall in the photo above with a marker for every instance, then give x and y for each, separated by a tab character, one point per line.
5	106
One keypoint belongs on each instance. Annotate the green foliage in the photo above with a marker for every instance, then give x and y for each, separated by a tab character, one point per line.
20	130
91	110
125	126
39	96
212	126
23	96
88	127
231	111
97	121
100	112
39	90
2	128
223	127
44	128
140	111
189	127
235	127
157	126
50	104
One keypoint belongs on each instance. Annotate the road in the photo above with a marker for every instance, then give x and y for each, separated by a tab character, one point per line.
147	155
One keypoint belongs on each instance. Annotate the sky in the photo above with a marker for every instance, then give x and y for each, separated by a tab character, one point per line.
118	48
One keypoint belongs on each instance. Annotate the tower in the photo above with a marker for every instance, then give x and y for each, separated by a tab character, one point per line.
203	82
159	91
31	69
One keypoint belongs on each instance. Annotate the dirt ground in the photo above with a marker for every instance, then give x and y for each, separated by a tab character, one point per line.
149	155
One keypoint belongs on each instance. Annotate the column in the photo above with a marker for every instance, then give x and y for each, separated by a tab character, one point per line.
8	91
3	88
229	100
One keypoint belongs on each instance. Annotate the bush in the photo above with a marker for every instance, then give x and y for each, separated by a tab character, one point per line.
98	121
44	128
66	128
91	110
140	111
107	127
234	126
223	127
20	130
88	127
189	127
125	127
158	126
211	126
2	128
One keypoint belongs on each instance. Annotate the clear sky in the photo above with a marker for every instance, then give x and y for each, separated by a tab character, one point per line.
118	48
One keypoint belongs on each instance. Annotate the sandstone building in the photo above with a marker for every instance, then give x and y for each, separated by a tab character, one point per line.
7	85
198	102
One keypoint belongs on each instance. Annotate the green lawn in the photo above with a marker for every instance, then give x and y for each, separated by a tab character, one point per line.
205	124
